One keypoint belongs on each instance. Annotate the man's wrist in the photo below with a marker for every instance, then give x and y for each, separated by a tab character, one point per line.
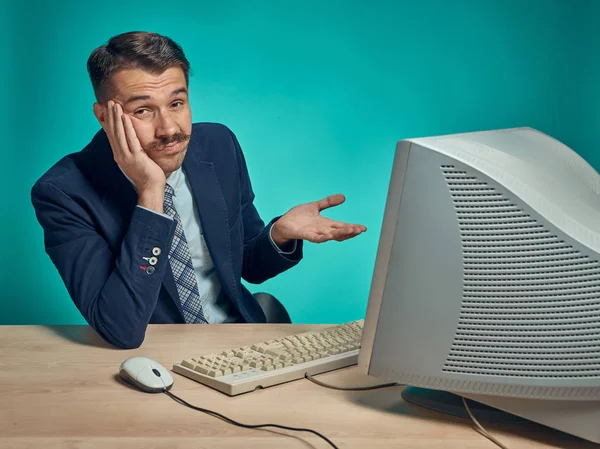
284	244
277	237
152	198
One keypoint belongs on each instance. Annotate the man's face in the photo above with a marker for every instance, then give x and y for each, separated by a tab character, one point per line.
160	112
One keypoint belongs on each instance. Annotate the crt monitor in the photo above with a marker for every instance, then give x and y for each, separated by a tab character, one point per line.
487	276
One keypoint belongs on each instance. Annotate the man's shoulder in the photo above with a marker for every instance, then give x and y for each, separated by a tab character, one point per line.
70	171
64	175
211	130
60	169
215	142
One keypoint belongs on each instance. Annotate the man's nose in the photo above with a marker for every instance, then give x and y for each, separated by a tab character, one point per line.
166	126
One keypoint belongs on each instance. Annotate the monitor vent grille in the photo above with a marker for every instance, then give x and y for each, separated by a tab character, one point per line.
531	302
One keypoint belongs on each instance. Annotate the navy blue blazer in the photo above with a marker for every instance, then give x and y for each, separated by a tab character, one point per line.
97	238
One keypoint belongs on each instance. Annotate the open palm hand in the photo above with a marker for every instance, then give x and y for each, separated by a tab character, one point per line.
305	222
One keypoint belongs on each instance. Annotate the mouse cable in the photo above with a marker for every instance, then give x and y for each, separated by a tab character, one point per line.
478	426
247	426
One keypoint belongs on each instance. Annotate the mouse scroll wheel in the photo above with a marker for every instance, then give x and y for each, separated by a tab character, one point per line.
155	371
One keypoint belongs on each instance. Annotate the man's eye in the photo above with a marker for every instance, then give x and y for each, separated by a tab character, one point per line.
141	112
177	104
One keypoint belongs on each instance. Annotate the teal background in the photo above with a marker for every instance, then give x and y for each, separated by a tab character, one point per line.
318	93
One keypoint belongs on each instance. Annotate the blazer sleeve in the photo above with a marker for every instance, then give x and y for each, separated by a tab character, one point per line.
115	293
261	260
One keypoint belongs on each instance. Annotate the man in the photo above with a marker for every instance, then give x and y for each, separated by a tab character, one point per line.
153	221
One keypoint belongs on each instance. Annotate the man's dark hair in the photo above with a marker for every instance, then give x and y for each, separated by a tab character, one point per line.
150	52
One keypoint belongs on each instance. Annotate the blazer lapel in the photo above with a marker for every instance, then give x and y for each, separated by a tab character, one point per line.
207	193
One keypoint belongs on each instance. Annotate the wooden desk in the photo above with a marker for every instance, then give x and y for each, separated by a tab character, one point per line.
59	389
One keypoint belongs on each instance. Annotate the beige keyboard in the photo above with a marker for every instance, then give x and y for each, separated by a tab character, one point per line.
272	362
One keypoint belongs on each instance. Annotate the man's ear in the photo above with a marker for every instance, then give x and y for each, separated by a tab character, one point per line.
100	113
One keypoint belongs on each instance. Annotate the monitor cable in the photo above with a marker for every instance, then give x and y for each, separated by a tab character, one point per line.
478	427
333	387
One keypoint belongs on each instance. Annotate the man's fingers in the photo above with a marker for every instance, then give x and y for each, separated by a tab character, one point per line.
109	120
315	237
341	239
114	122
108	124
331	201
132	139
340	234
347	232
113	132
354	227
120	132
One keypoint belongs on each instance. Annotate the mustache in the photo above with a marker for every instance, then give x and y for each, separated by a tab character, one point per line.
175	138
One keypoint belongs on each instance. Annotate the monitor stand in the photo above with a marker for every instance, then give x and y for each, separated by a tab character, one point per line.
452	404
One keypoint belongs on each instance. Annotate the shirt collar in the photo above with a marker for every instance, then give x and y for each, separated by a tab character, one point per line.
175	179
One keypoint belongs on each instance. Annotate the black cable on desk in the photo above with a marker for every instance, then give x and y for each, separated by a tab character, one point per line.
247	426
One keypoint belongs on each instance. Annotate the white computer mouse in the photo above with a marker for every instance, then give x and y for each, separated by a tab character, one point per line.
146	374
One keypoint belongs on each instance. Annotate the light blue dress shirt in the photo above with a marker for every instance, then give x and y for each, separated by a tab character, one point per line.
217	308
